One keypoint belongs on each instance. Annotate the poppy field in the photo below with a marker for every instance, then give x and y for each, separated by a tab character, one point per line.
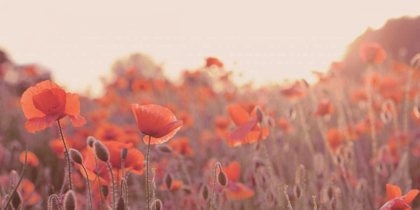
207	143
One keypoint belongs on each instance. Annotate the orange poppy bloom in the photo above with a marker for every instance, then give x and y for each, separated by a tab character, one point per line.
372	53
322	77
156	121
181	145
46	102
237	190
294	92
210	61
334	138
233	171
248	129
134	161
32	159
186	118
396	201
75	142
109	132
325	107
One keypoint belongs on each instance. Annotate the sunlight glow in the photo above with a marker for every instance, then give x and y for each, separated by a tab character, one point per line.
265	42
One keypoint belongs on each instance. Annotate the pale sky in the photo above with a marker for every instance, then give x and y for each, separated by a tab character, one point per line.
269	42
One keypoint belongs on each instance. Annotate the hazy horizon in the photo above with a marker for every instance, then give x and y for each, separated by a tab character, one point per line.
79	42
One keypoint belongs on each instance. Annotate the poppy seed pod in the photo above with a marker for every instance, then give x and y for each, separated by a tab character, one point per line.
259	114
168	181
90	141
70	201
157	205
101	151
120	204
16	200
205	192
222	179
124	153
105	190
76	156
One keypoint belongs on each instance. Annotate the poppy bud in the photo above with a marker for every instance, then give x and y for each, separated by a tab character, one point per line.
124	153
222	179
76	156
105	190
291	114
70	201
101	151
157	205
90	141
120	204
205	192
16	200
168	181
297	191
259	114
164	149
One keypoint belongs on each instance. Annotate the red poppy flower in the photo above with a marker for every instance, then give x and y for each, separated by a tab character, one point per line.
248	129
46	102
237	190
134	161
334	138
181	145
324	108
156	121
395	199
372	53
294	92
31	160
210	61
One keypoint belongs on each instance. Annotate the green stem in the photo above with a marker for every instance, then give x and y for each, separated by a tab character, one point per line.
66	154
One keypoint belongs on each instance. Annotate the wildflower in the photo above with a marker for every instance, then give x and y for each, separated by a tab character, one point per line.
156	121
32	159
396	201
324	108
372	53
47	102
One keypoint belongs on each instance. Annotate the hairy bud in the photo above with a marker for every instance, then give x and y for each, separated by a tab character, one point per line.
70	201
76	156
101	151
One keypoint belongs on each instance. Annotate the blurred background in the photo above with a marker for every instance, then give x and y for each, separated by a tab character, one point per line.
266	43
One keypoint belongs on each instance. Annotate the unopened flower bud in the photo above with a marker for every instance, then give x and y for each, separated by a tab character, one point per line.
101	151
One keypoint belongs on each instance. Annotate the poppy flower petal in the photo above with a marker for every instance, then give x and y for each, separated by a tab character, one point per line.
243	130
238	114
39	123
168	128
240	192
233	171
409	197
77	120
72	104
162	139
393	191
27	103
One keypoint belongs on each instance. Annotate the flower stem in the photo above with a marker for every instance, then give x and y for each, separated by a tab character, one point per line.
113	183
99	182
147	175
89	190
66	154
217	165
